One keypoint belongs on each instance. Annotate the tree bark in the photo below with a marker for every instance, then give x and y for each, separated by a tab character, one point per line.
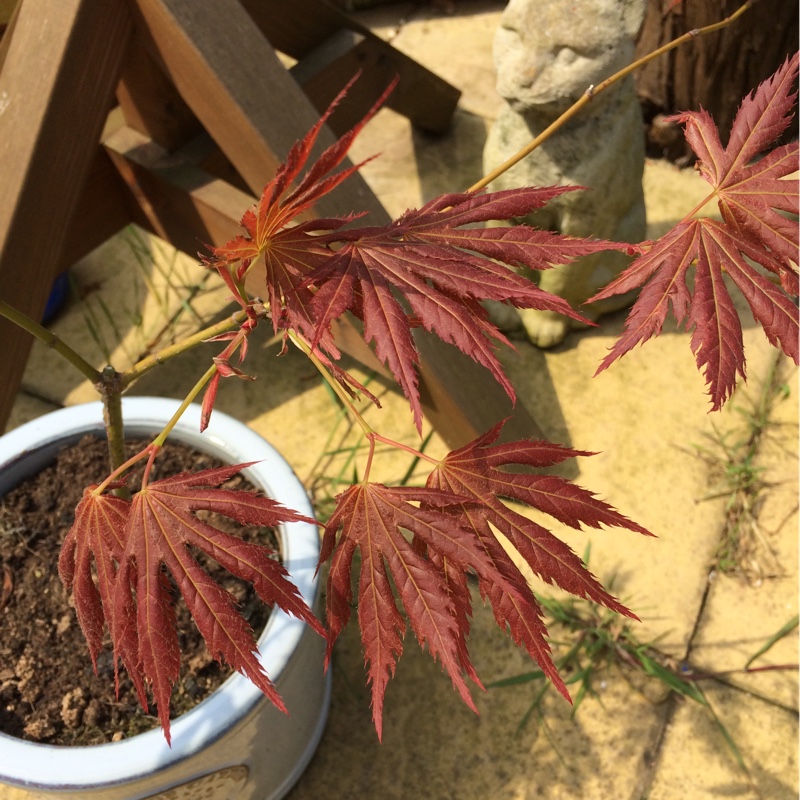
714	71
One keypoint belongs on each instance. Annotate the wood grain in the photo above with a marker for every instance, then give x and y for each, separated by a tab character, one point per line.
56	86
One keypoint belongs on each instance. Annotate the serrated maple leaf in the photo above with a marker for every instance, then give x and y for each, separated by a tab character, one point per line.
155	531
474	473
373	517
423	269
442	271
275	233
97	536
451	524
752	194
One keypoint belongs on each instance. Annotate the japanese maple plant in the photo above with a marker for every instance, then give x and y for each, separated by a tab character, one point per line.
419	545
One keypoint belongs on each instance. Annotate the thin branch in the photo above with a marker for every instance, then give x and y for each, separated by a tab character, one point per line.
50	340
196	389
592	91
146	364
303	345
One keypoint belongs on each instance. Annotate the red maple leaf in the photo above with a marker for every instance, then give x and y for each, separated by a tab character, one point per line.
275	234
98	535
450	522
424	268
373	518
753	195
156	530
442	271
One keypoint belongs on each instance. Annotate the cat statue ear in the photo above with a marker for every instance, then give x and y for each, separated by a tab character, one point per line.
547	53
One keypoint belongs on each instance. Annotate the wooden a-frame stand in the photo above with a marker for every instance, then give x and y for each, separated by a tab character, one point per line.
206	114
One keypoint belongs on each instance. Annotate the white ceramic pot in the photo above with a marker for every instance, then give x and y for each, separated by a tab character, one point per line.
234	745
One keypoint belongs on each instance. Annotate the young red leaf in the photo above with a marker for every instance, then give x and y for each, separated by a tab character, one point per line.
97	536
94	537
442	271
472	472
753	196
156	531
452	523
424	269
289	250
373	518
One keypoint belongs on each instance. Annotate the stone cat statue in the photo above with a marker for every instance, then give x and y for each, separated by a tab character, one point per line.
547	53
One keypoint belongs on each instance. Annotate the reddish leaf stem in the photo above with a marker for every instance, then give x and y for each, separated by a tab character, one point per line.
305	347
120	470
407	448
196	389
145	365
153	448
368	467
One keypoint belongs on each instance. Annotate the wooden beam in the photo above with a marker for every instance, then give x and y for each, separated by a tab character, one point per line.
150	103
184	205
234	83
323	72
8	18
176	199
103	209
230	78
58	78
422	96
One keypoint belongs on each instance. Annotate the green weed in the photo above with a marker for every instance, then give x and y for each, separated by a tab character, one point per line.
598	639
732	456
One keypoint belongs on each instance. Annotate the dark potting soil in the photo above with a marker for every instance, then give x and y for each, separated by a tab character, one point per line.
48	689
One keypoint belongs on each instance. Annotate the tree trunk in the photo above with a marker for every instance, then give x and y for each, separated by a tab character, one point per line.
716	70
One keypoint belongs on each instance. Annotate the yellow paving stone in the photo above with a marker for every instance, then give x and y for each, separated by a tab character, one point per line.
741	615
435	747
27	407
696	762
132	291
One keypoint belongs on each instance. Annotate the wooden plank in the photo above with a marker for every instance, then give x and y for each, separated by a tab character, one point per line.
323	72
8	18
57	83
102	210
150	103
302	31
176	199
184	205
426	99
232	80
7	8
462	398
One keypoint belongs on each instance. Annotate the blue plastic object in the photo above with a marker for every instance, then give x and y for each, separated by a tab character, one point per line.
58	296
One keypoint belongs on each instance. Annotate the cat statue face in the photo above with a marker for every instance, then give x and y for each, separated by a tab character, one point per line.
547	54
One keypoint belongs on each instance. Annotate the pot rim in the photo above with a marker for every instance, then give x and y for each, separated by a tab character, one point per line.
24	762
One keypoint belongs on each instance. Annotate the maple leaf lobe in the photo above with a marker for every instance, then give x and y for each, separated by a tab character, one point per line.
157	530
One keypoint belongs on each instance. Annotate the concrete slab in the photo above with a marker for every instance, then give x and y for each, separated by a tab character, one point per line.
740	615
27	407
131	292
696	762
434	747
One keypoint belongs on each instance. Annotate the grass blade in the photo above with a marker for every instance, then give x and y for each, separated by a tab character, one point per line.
776	637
